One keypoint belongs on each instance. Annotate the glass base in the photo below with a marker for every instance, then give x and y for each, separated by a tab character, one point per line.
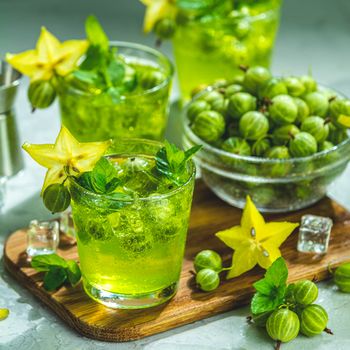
130	301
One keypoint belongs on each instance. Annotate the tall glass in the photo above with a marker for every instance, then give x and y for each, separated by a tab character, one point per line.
212	48
94	116
131	252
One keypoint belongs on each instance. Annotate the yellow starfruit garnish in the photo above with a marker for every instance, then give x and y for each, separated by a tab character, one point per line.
66	152
49	57
254	241
156	10
344	120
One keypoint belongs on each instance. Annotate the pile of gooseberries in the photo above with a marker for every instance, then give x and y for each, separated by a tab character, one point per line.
299	314
265	116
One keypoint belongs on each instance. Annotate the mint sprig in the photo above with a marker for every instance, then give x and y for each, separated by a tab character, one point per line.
172	161
271	290
101	67
57	271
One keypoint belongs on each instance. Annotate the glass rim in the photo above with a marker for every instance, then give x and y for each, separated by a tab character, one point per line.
142	199
126	44
255	159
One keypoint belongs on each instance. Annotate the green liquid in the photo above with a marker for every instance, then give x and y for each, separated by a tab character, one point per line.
94	116
138	248
209	51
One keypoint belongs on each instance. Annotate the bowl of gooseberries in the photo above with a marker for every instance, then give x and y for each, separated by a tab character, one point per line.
281	140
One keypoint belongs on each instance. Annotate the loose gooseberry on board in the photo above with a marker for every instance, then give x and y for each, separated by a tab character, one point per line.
305	292
342	277
283	325
207	280
207	259
313	320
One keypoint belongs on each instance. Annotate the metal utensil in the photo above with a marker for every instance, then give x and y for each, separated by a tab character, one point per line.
11	160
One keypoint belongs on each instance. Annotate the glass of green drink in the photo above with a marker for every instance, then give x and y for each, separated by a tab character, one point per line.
131	246
141	110
210	45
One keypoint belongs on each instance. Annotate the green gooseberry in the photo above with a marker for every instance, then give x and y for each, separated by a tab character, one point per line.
151	79
236	145
303	110
302	145
295	87
337	108
233	89
209	126
309	83
211	96
260	147
283	325
313	320
165	28
195	108
221	106
279	169
41	93
305	292
283	134
336	135
240	103
263	195
207	259
278	152
317	127
342	277
253	125
242	28
255	77
272	88
283	110
207	280
318	103
56	198
325	146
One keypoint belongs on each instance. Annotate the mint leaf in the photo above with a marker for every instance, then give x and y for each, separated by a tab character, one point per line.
73	272
54	278
171	162
263	303
44	262
86	76
95	33
102	175
114	93
116	72
94	58
271	290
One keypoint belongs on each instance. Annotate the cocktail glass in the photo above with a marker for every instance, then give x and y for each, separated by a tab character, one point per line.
212	48
94	116
131	251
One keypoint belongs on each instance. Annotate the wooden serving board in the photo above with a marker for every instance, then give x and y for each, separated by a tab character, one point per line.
209	215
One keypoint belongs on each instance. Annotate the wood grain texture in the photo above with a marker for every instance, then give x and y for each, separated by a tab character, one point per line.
209	215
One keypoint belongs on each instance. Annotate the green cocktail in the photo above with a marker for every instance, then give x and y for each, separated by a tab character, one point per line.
131	242
211	46
140	111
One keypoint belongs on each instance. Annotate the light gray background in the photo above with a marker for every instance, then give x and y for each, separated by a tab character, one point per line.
313	34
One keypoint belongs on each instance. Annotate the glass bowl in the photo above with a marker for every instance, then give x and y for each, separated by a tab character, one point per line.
275	185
